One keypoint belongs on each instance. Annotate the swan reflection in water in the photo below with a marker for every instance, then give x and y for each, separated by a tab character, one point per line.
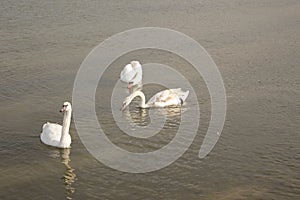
69	176
141	117
138	116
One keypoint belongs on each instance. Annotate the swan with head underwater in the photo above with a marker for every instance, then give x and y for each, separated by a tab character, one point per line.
165	98
132	74
56	135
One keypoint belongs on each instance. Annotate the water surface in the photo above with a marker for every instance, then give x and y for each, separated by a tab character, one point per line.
255	45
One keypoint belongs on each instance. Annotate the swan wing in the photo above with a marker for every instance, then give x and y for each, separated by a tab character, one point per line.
138	75
51	134
170	101
163	99
155	98
180	93
169	97
127	74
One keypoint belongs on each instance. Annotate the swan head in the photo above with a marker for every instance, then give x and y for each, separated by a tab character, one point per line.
66	107
125	103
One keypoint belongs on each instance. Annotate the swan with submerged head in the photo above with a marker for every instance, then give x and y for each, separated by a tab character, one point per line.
56	135
165	98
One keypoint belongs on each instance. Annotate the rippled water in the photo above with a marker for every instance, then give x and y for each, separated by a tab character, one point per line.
42	45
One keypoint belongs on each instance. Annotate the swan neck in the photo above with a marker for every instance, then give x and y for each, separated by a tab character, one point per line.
143	99
139	94
66	124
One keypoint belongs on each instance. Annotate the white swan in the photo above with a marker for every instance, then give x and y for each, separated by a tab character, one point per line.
55	134
132	74
169	97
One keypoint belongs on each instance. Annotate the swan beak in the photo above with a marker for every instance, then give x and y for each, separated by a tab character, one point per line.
64	108
129	86
123	107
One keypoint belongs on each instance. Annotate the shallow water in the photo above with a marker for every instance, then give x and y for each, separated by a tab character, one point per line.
254	44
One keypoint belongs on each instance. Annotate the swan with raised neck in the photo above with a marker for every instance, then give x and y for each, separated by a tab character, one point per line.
56	135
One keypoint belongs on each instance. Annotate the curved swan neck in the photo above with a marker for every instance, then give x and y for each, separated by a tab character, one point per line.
143	98
66	124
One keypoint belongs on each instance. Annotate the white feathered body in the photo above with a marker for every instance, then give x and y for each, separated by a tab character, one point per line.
51	135
132	73
169	97
56	135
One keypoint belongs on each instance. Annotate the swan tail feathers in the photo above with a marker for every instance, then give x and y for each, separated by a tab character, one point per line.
180	93
185	95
